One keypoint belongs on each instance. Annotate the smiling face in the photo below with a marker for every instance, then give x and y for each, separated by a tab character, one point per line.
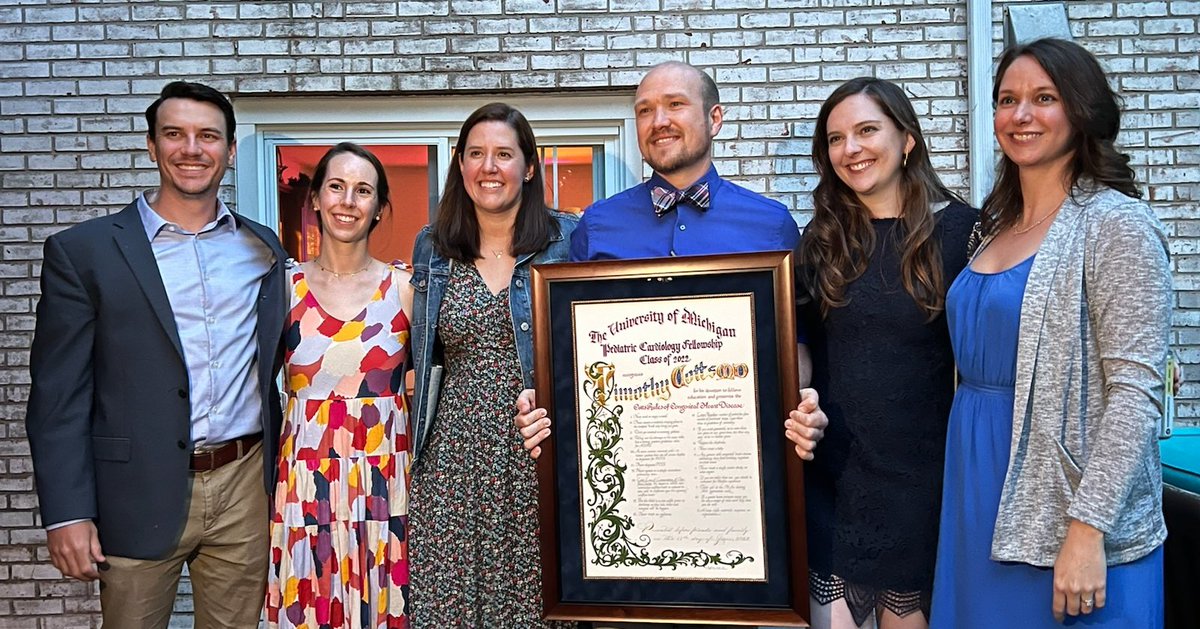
348	199
675	130
190	145
494	169
866	151
1031	123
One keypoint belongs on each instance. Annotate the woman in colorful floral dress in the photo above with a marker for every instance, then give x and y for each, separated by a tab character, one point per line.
339	555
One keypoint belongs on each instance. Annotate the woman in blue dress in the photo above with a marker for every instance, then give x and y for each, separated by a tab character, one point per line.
1051	507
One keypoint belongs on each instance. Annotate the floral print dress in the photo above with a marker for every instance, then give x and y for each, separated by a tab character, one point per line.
339	548
475	554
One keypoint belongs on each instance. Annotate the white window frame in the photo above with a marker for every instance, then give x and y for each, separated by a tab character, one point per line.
563	120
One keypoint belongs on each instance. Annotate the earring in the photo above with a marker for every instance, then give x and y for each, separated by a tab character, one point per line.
529	179
378	216
904	162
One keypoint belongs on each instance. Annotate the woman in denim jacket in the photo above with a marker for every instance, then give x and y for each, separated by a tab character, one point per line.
474	489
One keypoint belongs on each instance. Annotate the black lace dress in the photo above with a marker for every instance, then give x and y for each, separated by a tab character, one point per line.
886	379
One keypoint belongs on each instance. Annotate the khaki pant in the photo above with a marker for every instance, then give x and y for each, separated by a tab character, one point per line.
225	544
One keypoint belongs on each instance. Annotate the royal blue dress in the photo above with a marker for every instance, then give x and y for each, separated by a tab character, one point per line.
970	589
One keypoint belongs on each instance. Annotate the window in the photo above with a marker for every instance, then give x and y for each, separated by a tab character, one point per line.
572	174
587	146
412	193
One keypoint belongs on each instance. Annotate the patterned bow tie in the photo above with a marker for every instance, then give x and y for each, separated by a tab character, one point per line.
665	199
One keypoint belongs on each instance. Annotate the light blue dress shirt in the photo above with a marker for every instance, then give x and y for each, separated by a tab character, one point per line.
212	279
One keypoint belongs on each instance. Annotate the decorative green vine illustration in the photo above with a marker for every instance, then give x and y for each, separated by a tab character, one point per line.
606	476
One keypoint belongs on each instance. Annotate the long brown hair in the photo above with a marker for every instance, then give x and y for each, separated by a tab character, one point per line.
456	228
1094	113
839	240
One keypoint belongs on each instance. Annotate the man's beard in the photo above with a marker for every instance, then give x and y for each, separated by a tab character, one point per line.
678	161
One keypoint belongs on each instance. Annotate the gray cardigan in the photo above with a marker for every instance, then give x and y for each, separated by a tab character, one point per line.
1090	361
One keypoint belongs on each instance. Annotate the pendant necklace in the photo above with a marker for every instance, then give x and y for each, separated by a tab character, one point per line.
1039	222
337	275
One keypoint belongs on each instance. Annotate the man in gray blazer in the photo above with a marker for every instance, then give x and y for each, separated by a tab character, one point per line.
153	417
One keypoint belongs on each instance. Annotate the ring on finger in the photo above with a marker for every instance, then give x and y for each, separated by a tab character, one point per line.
1087	602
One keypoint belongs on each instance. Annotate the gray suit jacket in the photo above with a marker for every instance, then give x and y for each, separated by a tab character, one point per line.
109	417
1091	353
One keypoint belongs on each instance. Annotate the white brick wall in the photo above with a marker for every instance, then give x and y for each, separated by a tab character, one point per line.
75	77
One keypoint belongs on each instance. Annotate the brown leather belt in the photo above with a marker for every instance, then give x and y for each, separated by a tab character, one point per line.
228	452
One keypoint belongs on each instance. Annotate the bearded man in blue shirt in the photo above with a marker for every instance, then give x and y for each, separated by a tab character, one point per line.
685	208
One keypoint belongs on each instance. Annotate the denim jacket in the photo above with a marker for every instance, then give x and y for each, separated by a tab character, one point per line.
430	274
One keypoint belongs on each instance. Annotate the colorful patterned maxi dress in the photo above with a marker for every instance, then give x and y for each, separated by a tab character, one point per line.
339	549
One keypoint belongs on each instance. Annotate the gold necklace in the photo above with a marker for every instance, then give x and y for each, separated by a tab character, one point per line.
317	261
1039	222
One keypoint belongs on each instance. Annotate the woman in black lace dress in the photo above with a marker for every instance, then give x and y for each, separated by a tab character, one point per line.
886	239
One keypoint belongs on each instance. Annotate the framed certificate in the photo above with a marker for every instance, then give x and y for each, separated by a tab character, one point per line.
667	490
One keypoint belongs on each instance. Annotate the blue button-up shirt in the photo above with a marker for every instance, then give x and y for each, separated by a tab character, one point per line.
212	279
737	221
